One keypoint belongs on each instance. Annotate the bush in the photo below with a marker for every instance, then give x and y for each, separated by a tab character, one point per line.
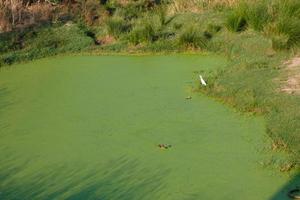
237	19
258	15
290	27
146	29
280	42
143	33
45	41
93	12
134	9
213	28
193	37
289	8
10	41
117	26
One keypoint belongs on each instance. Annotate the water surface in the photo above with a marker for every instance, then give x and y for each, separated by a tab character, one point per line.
87	127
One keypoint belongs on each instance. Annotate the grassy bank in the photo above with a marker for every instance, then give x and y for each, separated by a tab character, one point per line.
254	35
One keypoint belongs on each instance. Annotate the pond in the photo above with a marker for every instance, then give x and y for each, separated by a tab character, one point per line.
88	127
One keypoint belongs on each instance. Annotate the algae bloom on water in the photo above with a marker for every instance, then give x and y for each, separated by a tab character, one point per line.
87	127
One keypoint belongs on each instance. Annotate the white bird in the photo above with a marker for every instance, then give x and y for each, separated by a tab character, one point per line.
202	80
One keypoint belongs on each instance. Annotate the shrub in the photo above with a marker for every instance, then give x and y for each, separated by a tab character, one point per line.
45	41
280	42
289	8
164	20
290	27
177	26
143	33
213	28
116	26
11	41
193	37
134	9
237	19
93	12
146	29
258	15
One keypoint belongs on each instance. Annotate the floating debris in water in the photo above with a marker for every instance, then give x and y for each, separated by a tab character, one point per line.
164	146
188	97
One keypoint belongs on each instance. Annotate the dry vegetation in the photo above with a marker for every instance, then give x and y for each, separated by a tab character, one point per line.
292	83
179	6
19	13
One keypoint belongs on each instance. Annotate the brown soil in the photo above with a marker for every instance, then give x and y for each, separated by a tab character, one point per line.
292	83
106	40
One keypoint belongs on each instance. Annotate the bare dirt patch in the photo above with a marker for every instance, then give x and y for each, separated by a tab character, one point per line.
292	83
106	40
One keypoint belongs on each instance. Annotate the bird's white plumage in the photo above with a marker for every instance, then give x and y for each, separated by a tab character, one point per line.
202	80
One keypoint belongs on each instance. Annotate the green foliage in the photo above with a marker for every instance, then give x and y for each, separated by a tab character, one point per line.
214	28
163	17
117	26
280	42
237	19
193	37
146	29
162	45
258	15
135	9
10	42
248	85
45	41
143	33
289	26
177	26
289	8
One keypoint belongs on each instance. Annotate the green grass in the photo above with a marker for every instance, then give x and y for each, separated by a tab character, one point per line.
257	15
237	19
117	26
193	37
42	42
290	29
249	85
146	30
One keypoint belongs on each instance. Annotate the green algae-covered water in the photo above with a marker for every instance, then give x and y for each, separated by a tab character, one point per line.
87	127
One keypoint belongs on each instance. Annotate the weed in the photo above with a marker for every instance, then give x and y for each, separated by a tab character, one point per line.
143	33
44	41
193	37
214	28
289	8
237	19
117	26
147	29
258	15
290	29
280	41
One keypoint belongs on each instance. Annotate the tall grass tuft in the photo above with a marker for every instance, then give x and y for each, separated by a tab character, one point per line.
117	26
146	29
193	37
280	41
288	28
257	15
289	8
237	19
142	33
